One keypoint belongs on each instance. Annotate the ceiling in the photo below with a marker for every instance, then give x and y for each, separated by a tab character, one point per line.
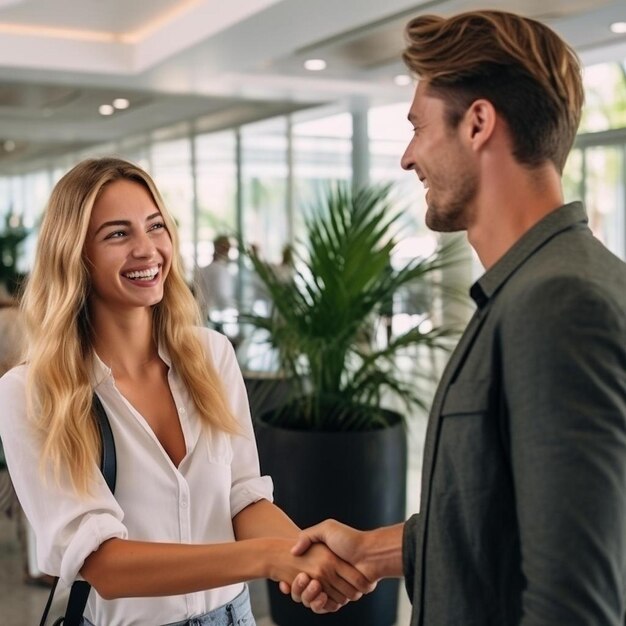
231	62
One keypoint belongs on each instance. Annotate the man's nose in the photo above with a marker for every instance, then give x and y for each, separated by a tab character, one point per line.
407	162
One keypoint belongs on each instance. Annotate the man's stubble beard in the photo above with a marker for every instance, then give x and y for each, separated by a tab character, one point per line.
453	216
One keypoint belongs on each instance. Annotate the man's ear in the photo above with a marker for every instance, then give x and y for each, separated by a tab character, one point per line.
480	123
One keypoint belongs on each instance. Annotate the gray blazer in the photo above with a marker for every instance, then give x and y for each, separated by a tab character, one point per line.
523	510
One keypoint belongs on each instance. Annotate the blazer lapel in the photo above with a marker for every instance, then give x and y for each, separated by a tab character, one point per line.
430	448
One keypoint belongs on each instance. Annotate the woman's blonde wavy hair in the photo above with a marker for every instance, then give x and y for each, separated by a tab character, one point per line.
529	74
56	312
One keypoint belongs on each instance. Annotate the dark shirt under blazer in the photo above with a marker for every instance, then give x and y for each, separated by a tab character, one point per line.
523	507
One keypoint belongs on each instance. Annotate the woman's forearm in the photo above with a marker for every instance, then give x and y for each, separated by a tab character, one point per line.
263	519
122	568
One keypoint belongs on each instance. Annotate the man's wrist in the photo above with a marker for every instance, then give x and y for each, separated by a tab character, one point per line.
380	552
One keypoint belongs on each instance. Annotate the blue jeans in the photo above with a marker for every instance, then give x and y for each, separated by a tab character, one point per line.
237	612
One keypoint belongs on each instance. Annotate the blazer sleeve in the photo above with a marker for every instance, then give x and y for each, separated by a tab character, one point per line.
409	553
564	368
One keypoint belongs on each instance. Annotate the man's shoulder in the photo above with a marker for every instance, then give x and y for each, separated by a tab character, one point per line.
570	265
560	298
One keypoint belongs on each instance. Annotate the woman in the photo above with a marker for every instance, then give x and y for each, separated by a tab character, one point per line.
107	310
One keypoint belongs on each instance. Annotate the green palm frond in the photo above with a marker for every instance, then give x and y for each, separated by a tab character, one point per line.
322	323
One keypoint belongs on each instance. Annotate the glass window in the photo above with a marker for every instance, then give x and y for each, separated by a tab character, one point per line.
264	193
216	186
389	133
61	166
605	97
605	195
37	189
5	197
573	176
322	154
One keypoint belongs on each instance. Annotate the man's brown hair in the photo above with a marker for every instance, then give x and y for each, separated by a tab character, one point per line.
529	74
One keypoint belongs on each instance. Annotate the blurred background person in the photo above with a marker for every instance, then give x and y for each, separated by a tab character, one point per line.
285	269
215	286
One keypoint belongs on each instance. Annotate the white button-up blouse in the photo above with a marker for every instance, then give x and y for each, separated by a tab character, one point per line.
153	501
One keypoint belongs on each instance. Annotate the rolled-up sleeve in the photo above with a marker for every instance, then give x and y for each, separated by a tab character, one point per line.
68	527
93	529
248	486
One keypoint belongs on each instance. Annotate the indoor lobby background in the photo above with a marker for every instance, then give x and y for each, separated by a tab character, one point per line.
215	101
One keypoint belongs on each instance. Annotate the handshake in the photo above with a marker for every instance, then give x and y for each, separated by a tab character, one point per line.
332	563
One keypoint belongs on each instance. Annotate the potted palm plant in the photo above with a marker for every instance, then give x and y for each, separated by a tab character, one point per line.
332	445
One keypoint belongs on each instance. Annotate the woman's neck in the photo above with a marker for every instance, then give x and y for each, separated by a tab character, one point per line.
125	344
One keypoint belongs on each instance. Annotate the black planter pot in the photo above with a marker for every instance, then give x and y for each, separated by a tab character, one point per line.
358	478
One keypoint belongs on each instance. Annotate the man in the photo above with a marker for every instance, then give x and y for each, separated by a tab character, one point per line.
523	503
215	285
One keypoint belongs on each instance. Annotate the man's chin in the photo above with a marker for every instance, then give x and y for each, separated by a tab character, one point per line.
442	223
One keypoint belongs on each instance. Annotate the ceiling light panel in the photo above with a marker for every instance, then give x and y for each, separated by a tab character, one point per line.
106	109
121	103
315	65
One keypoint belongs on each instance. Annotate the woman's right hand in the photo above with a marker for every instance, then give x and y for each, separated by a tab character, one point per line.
340	582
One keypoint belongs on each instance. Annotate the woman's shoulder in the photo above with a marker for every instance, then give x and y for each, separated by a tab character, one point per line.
13	387
12	397
211	338
14	379
216	344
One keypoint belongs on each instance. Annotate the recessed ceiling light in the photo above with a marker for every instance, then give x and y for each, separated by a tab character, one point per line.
315	65
618	27
121	103
402	80
106	109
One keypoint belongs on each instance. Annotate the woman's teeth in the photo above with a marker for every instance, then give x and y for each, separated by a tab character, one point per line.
142	274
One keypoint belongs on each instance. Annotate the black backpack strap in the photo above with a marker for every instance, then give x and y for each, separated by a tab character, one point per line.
108	466
76	603
44	615
108	460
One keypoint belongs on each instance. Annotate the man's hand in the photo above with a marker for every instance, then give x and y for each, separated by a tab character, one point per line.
336	581
347	543
375	554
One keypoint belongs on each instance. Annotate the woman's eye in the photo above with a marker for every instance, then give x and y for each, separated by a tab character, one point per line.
116	234
157	226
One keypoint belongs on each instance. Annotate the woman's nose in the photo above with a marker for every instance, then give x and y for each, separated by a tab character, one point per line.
143	246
